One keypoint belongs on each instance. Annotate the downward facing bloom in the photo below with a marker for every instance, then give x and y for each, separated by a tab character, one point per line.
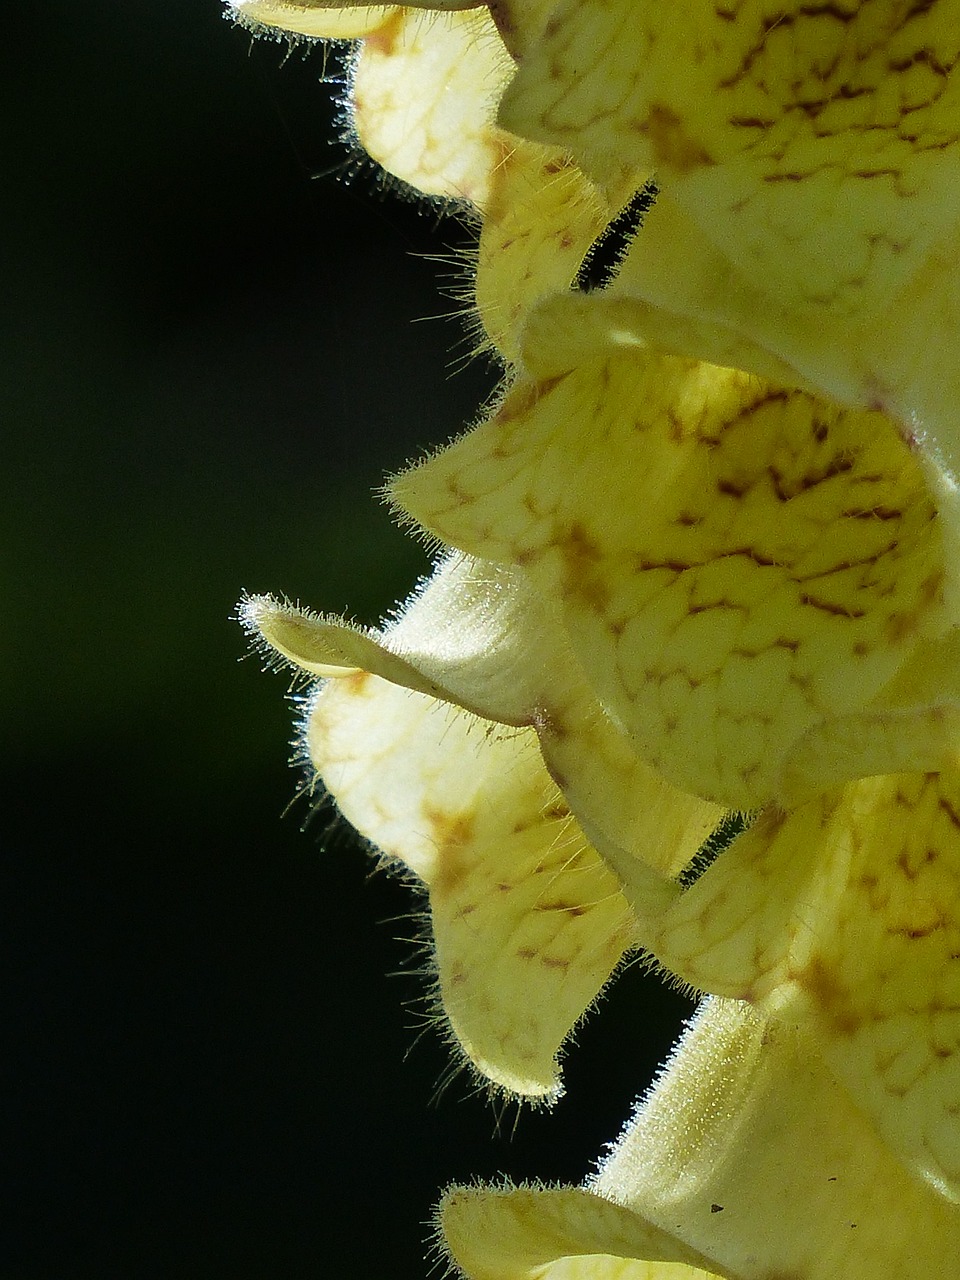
700	560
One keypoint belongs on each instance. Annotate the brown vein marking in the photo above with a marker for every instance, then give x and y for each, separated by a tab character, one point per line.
749	553
785	20
694	609
582	558
825	606
907	866
642	565
843	566
829	996
385	37
944	804
786	487
451	833
732	488
813	108
922	58
573	909
661	677
751	122
677	430
872	513
356	682
787	177
876	173
914	933
878	897
672	145
523	398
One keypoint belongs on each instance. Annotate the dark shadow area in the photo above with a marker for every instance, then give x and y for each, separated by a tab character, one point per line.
213	351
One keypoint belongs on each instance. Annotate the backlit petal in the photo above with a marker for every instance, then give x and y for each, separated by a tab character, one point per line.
733	562
844	916
528	923
477	637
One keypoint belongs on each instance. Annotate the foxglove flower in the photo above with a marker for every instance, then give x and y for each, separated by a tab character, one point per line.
747	1161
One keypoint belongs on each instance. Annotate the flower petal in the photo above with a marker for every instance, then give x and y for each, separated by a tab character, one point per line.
770	1167
747	1161
767	122
477	637
813	153
425	96
541	220
844	916
528	923
733	562
525	1233
315	18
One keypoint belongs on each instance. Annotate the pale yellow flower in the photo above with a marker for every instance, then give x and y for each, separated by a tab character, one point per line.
842	918
746	1162
424	89
737	566
528	923
809	164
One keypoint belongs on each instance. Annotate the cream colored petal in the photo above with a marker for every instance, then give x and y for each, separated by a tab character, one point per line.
811	152
330	19
913	726
770	122
733	562
524	1233
747	1161
752	1153
425	95
527	921
844	917
565	330
898	358
521	23
318	19
477	637
541	219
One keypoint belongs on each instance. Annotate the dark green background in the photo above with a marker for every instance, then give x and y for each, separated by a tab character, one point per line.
211	1060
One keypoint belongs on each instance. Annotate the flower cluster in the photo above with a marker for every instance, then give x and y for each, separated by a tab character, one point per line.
702	559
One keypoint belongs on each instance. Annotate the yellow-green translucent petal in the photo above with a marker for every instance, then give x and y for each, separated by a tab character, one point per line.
843	916
565	330
527	921
748	1161
734	562
315	17
424	99
477	637
541	219
750	1150
523	1233
521	22
810	157
899	358
770	122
